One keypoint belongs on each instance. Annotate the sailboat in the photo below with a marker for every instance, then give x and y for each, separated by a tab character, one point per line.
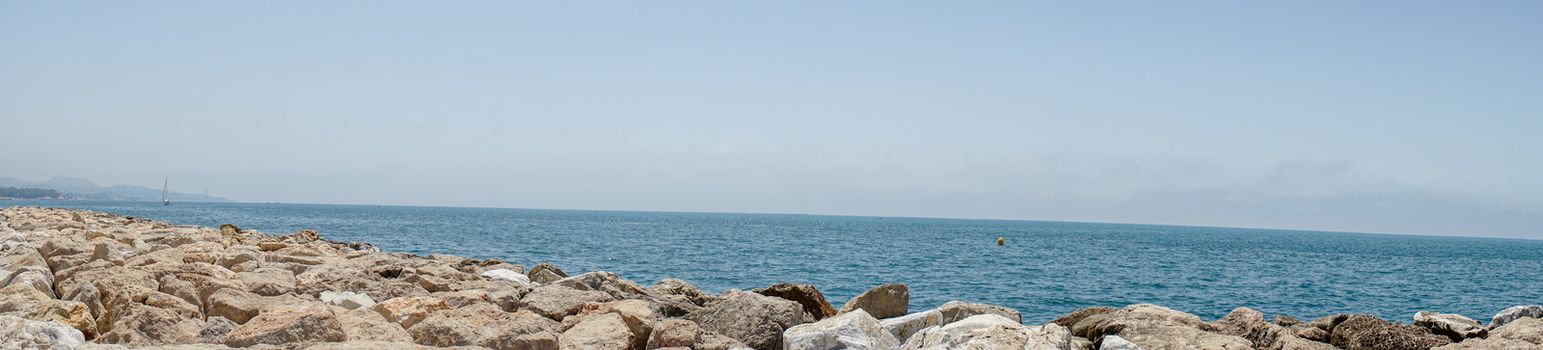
164	199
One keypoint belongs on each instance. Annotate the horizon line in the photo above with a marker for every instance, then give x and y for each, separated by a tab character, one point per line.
858	216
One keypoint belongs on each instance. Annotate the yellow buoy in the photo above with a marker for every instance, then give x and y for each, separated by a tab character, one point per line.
1002	241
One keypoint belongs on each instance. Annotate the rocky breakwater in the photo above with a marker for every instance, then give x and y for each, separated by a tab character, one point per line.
91	280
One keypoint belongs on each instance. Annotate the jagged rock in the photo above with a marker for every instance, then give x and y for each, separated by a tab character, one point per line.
715	341
1524	333
602	281
1156	328
347	300
143	317
37	278
215	329
364	324
240	306
671	286
851	330
637	314
754	319
268	281
1114	342
289	324
407	311
1454	327
26	302
955	310
1286	321
884	301
556	302
1070	320
991	331
1525	329
534	341
1515	312
545	273
904	326
229	230
20	333
674	333
1249	324
812	300
507	275
602	331
480	324
1363	332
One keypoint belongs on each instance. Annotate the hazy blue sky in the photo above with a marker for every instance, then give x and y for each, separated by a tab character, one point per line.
1397	116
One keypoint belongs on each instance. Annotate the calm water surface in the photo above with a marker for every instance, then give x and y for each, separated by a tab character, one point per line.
1046	269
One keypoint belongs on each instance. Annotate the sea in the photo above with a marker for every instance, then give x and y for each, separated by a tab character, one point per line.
1045	269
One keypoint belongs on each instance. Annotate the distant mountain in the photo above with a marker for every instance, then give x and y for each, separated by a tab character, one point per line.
85	189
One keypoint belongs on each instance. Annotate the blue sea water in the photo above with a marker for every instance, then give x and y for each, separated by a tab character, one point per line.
1046	269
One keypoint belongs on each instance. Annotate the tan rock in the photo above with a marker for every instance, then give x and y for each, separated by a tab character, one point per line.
885	301
756	320
556	302
671	286
289	324
674	333
1364	332
407	311
367	325
25	302
478	324
268	281
849	330
599	332
1453	326
807	295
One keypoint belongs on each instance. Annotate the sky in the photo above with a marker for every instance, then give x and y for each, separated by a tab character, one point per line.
1418	117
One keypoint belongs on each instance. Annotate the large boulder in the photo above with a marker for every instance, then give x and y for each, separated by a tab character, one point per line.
756	320
21	333
26	302
159	319
992	331
813	301
507	275
884	301
544	273
347	300
1365	332
958	310
1453	326
671	286
1250	324
1515	312
904	326
637	314
603	281
555	301
1070	320
674	333
478	324
268	281
289	324
1155	327
1524	333
852	330
601	332
364	324
407	311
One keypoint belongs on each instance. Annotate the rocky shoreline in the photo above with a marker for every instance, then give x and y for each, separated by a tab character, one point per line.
93	280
